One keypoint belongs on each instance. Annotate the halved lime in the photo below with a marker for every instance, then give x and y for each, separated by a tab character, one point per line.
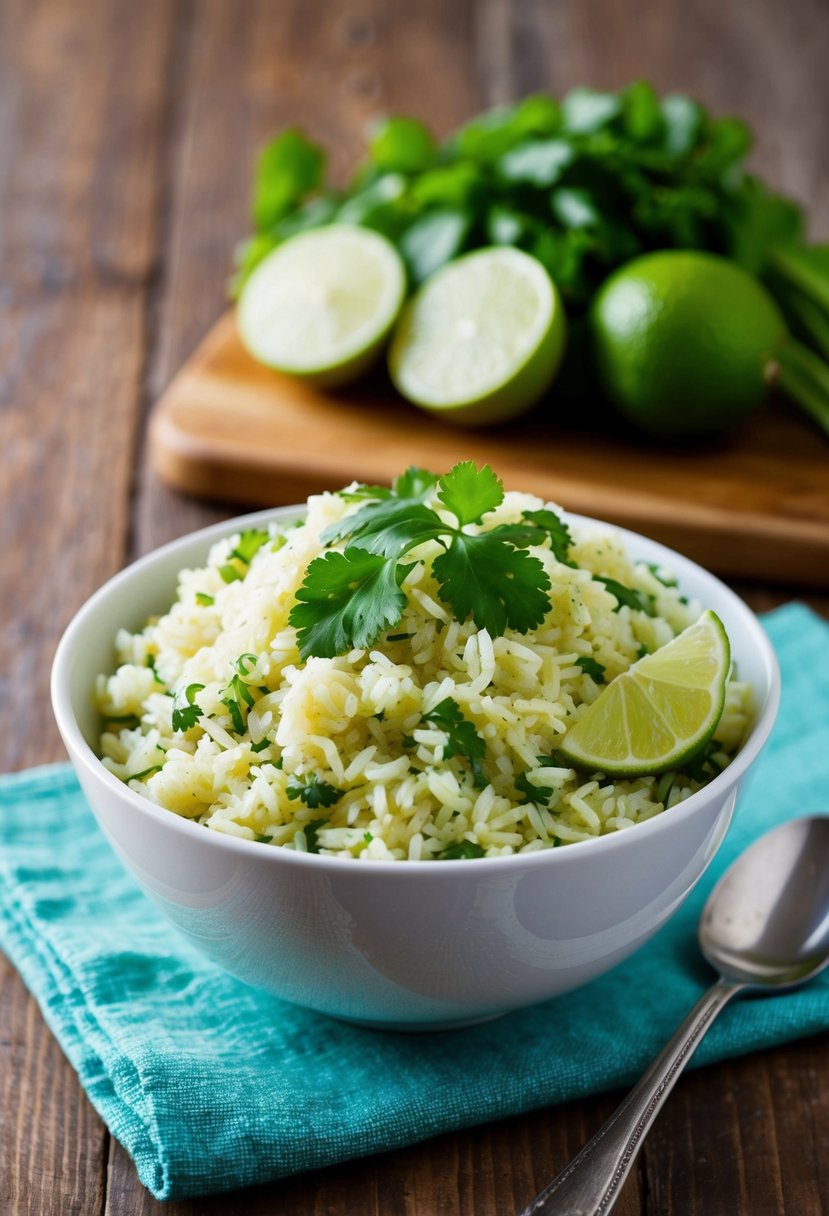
321	305
482	339
659	712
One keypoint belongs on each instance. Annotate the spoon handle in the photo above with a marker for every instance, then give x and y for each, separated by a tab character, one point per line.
592	1182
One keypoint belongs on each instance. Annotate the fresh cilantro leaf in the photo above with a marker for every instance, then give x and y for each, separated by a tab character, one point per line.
289	168
402	145
434	239
591	668
497	585
462	739
361	492
313	791
469	492
260	746
463	850
556	529
311	831
250	542
390	528
206	601
347	599
399	637
415	483
627	596
150	662
185	711
260	838
534	793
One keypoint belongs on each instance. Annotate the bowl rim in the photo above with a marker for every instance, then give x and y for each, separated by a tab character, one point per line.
80	751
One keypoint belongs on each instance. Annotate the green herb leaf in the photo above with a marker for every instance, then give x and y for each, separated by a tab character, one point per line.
313	791
145	773
288	169
556	529
244	663
469	492
463	850
311	831
415	483
591	668
231	574
402	145
433	240
627	596
185	711
249	543
486	578
347	599
534	793
260	746
462	739
206	601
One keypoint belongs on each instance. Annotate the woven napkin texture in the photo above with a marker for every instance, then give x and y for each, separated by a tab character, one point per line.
212	1085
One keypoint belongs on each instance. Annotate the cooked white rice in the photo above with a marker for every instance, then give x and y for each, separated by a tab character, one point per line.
354	722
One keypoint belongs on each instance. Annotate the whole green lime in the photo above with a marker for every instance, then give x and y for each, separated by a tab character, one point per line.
684	343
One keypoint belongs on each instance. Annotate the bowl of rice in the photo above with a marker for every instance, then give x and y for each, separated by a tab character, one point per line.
346	786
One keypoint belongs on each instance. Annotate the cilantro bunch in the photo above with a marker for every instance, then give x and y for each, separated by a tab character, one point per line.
349	598
584	184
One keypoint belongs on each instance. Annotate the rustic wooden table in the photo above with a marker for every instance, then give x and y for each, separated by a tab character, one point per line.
127	134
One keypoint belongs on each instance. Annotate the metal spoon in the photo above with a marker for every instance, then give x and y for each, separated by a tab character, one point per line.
765	929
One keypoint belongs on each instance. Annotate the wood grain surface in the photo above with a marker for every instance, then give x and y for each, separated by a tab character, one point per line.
755	504
127	135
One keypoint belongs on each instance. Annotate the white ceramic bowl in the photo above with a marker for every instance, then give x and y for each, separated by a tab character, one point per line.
400	944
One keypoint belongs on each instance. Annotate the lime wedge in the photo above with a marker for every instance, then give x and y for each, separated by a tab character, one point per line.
482	339
321	305
661	711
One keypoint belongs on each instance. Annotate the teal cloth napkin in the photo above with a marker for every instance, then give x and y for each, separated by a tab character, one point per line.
212	1085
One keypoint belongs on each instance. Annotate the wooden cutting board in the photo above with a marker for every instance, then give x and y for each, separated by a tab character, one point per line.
755	506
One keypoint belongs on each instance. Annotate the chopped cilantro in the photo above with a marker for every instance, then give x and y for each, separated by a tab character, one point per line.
591	668
311	831
250	542
185	711
313	791
237	696
367	837
535	793
205	600
149	661
642	651
260	746
145	773
705	764
399	637
462	739
464	849
626	596
261	839
661	575
128	721
244	663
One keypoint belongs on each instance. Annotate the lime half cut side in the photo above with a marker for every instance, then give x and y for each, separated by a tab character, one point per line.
661	711
321	305
482	339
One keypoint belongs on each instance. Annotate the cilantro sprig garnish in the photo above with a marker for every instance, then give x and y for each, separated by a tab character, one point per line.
349	598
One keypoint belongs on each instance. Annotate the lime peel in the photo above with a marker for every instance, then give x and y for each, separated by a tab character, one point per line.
659	713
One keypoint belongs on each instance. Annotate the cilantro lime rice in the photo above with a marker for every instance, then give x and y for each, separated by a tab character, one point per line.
391	677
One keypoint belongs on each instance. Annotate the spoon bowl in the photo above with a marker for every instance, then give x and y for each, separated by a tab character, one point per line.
766	922
765	929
